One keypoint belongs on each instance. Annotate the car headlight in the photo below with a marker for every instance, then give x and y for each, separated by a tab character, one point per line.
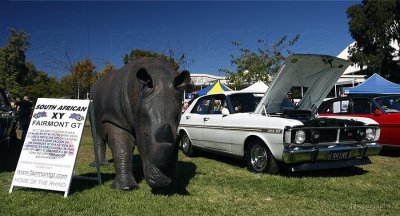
300	137
369	134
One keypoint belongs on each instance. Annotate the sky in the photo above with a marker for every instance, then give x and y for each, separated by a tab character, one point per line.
105	31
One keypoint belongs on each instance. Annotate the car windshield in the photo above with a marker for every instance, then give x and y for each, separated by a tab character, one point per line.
247	102
287	104
389	103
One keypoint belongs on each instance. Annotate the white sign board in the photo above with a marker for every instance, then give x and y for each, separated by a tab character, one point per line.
48	156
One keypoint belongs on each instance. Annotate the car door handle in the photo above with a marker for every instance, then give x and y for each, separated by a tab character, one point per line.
206	119
187	117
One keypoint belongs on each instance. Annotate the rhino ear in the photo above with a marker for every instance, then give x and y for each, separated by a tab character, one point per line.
144	77
182	80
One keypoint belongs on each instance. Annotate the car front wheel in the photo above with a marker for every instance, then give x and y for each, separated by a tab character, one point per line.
186	145
260	160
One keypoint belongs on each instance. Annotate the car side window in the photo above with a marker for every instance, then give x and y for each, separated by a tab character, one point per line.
389	103
218	104
363	106
244	103
202	106
338	107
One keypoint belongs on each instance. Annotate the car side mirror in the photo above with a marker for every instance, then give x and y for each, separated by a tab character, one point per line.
378	112
225	112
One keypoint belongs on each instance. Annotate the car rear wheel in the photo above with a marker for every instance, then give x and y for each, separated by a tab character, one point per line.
186	145
260	160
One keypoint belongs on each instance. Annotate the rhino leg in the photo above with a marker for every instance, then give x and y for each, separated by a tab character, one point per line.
101	152
121	144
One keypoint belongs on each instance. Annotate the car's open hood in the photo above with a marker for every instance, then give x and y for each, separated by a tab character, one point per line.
318	73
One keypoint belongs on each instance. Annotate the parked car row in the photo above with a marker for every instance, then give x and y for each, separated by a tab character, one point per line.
270	133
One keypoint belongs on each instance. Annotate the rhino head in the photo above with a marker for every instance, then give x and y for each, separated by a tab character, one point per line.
157	115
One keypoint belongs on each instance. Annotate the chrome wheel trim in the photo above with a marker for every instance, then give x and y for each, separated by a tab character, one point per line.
185	143
258	157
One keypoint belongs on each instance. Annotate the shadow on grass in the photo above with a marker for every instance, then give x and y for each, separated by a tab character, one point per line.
339	172
186	171
80	185
221	158
390	152
285	172
9	155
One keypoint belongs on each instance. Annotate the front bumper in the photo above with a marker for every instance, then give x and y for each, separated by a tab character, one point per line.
320	157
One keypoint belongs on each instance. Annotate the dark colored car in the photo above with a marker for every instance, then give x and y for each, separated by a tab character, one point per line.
385	109
8	120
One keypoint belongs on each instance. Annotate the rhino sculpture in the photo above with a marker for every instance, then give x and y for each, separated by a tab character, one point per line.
139	105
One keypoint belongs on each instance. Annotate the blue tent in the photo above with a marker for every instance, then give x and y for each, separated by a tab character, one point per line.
215	88
374	85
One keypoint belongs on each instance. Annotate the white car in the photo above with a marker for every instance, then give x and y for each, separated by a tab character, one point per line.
267	131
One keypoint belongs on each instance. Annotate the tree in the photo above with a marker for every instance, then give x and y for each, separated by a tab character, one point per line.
78	83
19	76
68	86
374	25
38	84
83	72
43	86
179	57
12	62
108	67
260	64
137	54
176	59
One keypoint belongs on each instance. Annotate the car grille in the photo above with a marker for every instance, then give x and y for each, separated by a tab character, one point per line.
327	135
342	135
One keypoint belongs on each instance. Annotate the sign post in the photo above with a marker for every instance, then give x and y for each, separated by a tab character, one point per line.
49	153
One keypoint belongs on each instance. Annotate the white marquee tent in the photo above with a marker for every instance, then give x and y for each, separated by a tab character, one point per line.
259	86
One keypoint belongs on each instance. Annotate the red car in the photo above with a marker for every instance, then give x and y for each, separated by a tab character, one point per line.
383	109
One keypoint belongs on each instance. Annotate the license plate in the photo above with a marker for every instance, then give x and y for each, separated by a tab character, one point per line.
339	155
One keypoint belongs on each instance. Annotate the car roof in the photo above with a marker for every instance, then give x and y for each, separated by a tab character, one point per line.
232	92
359	96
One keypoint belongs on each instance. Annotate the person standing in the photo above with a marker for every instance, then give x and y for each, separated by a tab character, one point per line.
25	112
16	107
185	106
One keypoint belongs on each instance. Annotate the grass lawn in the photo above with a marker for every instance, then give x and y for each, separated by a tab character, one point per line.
211	185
